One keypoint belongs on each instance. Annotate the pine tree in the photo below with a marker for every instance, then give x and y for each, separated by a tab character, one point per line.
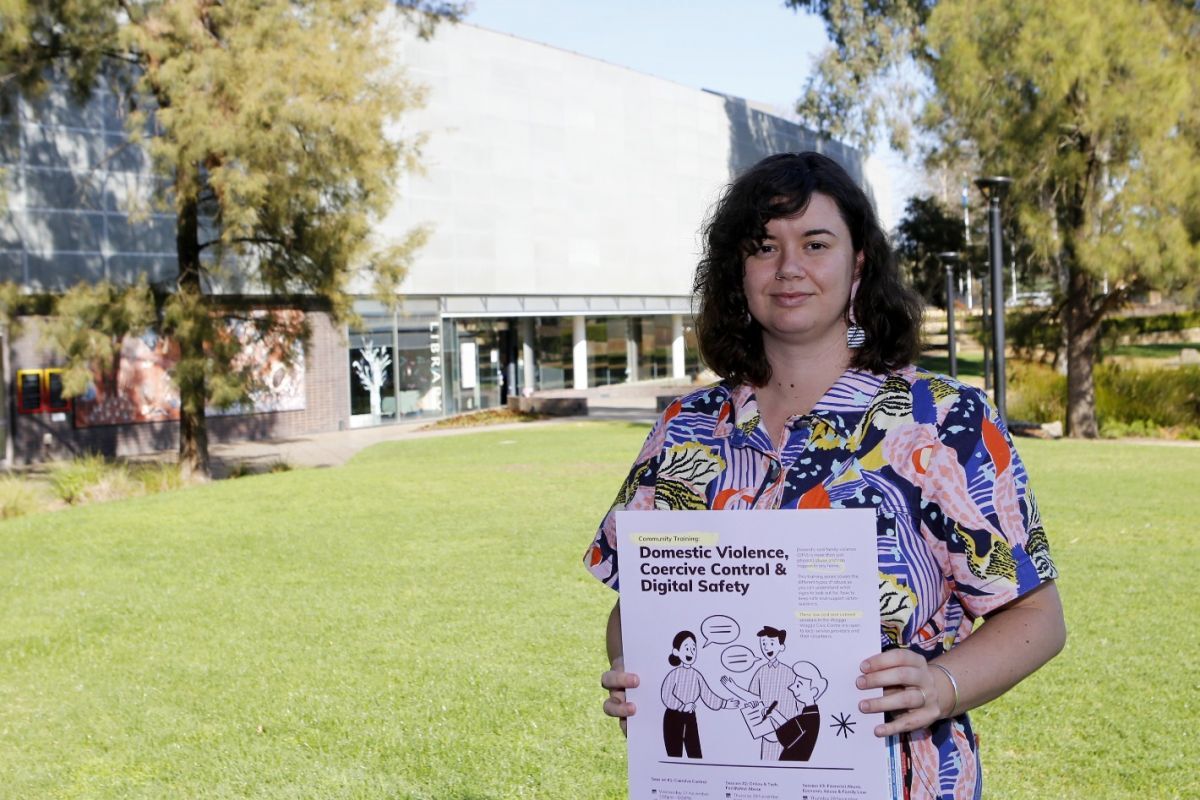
1090	106
267	121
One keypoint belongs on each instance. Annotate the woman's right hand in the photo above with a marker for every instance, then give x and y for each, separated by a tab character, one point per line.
617	680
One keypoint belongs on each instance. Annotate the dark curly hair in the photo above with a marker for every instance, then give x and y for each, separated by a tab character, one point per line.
781	186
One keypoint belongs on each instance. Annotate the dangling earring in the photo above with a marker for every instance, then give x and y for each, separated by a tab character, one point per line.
856	337
747	320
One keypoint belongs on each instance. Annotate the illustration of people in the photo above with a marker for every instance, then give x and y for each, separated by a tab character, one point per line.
681	689
770	686
798	734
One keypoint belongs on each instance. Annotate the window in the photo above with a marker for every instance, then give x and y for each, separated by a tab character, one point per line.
29	391
40	391
54	391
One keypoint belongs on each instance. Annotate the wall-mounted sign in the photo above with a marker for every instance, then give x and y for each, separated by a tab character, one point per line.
468	359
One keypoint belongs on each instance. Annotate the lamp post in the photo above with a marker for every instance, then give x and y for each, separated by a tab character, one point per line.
948	260
966	205
985	325
994	189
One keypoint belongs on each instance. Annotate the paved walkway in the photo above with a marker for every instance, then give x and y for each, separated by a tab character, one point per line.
627	403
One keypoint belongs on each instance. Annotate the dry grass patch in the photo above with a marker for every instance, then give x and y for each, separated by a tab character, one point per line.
489	416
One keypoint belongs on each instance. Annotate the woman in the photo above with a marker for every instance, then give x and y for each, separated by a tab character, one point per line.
681	689
802	312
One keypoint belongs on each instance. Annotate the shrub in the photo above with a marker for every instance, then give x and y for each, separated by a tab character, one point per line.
240	470
87	479
244	469
1129	402
1036	393
1115	329
70	479
1160	397
158	477
1115	429
17	498
114	483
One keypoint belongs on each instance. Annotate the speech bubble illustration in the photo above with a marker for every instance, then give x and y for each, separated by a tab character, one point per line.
738	658
719	629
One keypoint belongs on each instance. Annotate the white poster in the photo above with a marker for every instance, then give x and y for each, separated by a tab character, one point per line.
747	629
468	359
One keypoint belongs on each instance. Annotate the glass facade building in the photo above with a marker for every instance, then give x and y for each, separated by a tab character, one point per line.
433	366
563	195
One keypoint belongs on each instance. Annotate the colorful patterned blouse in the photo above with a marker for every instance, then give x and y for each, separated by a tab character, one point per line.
959	533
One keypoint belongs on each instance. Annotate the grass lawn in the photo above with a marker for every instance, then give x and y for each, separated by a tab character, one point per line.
417	625
1153	351
969	363
1149	356
935	358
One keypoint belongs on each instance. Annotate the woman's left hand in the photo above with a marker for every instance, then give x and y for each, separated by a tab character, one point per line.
912	691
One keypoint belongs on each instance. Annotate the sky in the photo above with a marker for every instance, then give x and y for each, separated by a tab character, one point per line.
755	49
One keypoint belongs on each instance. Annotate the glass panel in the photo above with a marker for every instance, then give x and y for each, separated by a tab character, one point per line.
29	390
691	359
54	391
484	346
371	382
618	349
372	372
606	350
654	349
418	372
555	365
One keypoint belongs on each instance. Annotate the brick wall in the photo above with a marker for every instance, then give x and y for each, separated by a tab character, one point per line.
40	437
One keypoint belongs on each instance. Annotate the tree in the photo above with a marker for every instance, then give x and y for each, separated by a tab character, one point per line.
75	36
90	322
1089	106
927	229
862	84
266	120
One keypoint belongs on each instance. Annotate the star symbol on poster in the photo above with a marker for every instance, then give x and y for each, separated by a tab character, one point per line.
844	725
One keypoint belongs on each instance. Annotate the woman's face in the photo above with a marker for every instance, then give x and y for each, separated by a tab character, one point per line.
798	281
687	651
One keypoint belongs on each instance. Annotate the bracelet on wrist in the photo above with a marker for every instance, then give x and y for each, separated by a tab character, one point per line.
953	685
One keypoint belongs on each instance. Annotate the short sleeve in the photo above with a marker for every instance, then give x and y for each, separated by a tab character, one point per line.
979	508
636	493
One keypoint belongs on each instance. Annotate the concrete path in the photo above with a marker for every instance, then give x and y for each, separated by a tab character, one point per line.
626	403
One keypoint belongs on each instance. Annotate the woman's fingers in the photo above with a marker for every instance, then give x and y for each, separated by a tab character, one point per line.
615	705
896	658
899	698
896	676
909	691
619	679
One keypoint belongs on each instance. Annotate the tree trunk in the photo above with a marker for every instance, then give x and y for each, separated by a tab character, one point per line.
1083	331
190	376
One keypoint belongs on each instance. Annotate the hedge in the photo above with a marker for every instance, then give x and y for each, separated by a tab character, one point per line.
1146	399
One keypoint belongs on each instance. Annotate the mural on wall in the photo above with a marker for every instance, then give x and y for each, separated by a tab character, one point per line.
278	368
139	387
